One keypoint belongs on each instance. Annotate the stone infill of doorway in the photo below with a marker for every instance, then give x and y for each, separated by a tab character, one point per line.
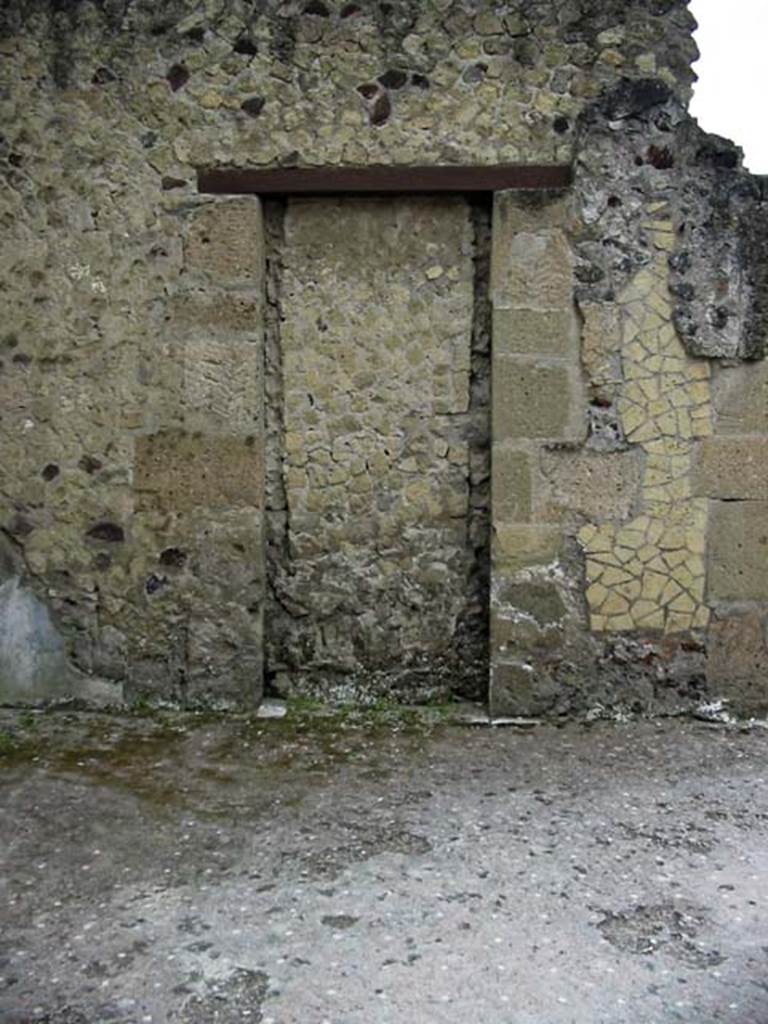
381	179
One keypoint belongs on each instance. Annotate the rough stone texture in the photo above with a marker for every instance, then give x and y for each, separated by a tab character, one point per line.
136	309
738	551
180	472
528	331
649	572
511	492
731	467
737	658
534	400
740	398
589	485
381	577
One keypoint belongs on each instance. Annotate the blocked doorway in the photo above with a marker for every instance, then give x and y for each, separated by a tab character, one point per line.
378	378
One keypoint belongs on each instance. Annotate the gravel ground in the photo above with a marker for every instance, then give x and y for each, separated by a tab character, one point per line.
380	869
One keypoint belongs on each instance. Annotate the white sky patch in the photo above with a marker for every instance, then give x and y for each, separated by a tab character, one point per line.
729	98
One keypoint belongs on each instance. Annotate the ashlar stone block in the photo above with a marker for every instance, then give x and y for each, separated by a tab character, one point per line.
740	398
224	241
533	400
533	271
177	472
223	387
550	332
516	546
731	467
738	551
511	486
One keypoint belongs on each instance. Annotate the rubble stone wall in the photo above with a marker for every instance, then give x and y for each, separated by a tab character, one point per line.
246	441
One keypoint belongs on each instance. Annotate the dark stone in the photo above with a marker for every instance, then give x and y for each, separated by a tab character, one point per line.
253	106
50	472
90	464
195	35
20	526
474	73
718	152
154	583
561	125
246	46
168	183
22	358
348	10
318	8
381	110
540	600
106	531
173	558
660	157
524	51
420	81
368	90
103	76
393	79
633	97
177	76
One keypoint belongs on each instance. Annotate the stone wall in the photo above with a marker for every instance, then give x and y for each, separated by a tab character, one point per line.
378	579
248	441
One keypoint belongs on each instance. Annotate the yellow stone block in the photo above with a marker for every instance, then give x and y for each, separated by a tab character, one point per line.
670	592
586	534
594	570
643	608
615	605
613	576
683	603
629	590
701	618
622	622
654	620
653	586
678	622
596	595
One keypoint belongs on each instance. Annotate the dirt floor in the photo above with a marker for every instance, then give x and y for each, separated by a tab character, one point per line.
381	869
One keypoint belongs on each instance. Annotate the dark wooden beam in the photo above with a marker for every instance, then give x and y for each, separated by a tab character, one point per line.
324	181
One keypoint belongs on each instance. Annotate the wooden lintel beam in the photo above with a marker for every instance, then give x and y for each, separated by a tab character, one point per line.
323	181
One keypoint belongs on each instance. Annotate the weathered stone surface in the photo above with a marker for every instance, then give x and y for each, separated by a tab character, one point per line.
598	486
135	307
200	315
223	387
518	546
737	567
224	242
520	689
382	577
176	472
33	661
731	467
600	347
511	489
540	601
534	400
737	659
534	332
740	399
532	271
